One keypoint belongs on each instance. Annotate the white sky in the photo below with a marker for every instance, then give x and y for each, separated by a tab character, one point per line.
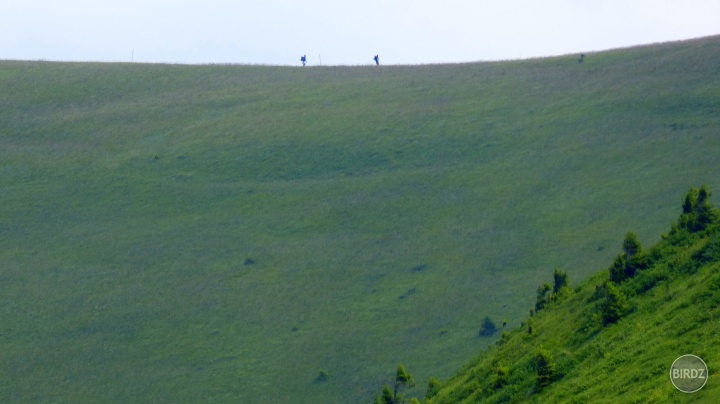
338	32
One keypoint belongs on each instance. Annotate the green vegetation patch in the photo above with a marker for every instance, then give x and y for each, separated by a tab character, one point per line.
224	233
612	338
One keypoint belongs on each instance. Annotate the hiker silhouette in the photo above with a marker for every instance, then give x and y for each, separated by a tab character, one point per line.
377	60
303	59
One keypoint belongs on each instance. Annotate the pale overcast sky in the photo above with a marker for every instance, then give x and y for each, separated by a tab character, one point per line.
337	32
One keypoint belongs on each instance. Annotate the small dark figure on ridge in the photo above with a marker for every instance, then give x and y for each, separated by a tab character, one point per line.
303	59
377	60
582	57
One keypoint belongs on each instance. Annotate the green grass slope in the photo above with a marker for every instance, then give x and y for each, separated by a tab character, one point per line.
671	308
224	233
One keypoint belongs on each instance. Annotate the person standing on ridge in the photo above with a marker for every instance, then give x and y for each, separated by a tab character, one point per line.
377	60
303	59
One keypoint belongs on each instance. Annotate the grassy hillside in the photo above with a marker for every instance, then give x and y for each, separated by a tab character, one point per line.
224	233
671	308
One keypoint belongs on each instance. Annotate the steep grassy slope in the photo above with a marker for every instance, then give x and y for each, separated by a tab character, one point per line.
672	309
193	233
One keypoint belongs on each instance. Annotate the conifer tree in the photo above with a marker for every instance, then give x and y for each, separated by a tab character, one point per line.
386	397
631	246
488	327
560	280
433	387
545	368
617	270
542	297
689	201
705	214
632	249
698	213
614	304
402	379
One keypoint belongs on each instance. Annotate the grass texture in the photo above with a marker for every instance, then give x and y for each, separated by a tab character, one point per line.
225	233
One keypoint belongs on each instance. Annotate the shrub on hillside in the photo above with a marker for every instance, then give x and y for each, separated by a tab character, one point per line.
633	250
547	294
697	212
542	296
504	337
386	397
561	286
402	379
544	367
709	253
323	376
698	215
433	387
561	280
679	236
632	260
617	269
487	328
501	377
614	304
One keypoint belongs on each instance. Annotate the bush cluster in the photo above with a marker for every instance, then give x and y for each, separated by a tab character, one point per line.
547	294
